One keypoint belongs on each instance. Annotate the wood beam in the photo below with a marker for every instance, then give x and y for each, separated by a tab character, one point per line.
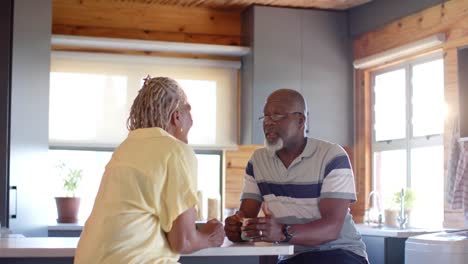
362	158
137	20
450	17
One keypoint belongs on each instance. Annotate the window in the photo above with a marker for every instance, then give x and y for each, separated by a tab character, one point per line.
90	99
209	175
408	124
92	164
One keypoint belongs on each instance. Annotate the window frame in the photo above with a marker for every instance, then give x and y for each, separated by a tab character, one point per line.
222	183
409	142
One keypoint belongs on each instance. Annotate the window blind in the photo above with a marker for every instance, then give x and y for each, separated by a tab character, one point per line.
91	95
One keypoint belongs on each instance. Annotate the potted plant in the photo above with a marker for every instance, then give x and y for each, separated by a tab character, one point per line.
68	205
392	213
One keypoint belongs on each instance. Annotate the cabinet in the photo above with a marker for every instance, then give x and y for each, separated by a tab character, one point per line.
305	50
29	115
6	28
385	250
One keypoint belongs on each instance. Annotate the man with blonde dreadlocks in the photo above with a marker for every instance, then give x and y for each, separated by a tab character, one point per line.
144	211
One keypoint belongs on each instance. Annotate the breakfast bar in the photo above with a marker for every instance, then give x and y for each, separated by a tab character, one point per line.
61	250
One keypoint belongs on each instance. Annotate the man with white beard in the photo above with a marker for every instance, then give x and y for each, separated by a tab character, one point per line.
306	186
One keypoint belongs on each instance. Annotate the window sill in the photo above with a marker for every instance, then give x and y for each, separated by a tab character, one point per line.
64	230
65	227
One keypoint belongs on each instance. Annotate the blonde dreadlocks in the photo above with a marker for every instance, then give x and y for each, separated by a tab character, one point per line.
155	103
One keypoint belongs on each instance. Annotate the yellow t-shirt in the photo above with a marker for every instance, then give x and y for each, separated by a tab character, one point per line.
148	183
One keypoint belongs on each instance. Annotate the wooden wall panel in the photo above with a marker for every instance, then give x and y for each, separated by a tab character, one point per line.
236	160
140	20
450	18
357	208
452	218
362	148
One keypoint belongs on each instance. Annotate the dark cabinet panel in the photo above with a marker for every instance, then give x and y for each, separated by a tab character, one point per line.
463	91
6	30
385	250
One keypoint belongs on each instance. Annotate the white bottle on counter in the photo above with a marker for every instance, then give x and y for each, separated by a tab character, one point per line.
214	208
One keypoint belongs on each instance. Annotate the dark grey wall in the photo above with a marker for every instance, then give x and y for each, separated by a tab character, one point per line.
305	50
30	114
463	91
247	78
6	31
377	13
276	57
327	77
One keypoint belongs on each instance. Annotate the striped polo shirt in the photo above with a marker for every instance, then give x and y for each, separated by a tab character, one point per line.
292	194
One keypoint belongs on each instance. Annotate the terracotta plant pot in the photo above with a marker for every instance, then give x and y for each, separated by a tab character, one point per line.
67	209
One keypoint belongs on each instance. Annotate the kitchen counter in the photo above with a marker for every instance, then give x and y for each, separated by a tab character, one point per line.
37	247
384	231
386	245
61	247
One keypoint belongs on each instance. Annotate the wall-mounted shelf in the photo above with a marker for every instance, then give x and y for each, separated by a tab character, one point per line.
148	45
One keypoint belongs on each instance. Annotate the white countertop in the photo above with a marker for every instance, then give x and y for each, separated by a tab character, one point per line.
33	247
385	231
36	247
246	249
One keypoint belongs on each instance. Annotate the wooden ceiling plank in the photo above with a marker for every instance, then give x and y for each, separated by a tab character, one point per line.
122	33
223	4
129	15
145	35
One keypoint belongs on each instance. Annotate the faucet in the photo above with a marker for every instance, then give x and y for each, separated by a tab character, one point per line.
374	214
402	218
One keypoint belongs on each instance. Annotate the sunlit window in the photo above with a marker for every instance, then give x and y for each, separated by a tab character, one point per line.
209	176
90	100
92	164
426	170
428	106
389	173
390	93
408	124
87	109
204	124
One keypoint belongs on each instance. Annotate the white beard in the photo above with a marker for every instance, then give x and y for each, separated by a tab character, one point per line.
272	148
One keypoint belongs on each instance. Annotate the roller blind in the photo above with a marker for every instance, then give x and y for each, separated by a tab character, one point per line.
91	95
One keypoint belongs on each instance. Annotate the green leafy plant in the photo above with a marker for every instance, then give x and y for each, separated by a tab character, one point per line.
409	198
71	178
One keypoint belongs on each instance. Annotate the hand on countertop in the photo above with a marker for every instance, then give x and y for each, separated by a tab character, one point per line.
264	229
213	229
232	226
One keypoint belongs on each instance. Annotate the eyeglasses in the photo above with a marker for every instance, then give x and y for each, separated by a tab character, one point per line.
277	117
